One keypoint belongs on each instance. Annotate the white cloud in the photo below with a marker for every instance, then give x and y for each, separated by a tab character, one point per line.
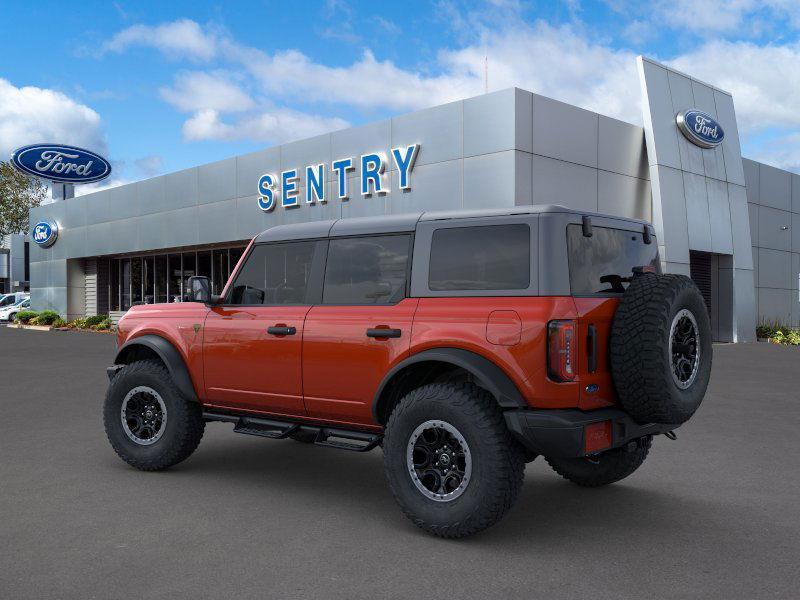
150	166
30	114
276	126
198	90
764	80
181	38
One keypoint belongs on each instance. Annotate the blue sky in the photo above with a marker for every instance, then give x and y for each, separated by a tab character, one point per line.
159	86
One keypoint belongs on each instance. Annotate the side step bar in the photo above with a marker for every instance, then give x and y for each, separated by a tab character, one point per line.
331	437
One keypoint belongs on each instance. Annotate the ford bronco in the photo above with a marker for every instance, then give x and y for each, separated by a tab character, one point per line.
464	344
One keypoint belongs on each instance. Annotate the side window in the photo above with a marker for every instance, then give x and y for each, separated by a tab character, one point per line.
366	270
489	257
274	274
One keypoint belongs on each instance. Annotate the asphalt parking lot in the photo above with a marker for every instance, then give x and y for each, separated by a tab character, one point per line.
714	515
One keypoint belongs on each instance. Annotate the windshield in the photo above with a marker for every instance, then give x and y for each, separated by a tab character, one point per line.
603	263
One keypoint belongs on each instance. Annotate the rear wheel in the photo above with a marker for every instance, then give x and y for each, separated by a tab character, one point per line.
451	463
605	468
149	423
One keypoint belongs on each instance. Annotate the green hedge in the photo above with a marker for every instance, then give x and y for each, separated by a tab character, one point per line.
46	317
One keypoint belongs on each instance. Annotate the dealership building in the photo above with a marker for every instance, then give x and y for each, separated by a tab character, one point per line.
731	223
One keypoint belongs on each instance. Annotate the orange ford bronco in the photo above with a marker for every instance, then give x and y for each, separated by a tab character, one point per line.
465	344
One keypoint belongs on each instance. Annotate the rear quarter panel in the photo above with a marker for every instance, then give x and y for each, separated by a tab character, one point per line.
462	323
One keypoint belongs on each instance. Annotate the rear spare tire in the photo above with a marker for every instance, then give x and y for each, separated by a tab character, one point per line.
661	348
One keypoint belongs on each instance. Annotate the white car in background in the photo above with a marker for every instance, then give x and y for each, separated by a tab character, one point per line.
7	300
7	313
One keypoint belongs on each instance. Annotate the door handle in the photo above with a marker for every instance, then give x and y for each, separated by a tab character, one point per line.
281	330
383	332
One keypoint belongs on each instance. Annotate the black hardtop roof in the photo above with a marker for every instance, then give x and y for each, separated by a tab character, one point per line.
406	222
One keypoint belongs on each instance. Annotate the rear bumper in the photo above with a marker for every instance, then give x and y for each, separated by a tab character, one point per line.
560	433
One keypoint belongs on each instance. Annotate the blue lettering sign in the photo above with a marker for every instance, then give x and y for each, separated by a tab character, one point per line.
315	184
341	167
404	158
700	128
44	233
266	192
372	168
289	193
65	164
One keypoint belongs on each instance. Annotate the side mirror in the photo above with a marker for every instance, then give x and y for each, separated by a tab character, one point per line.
198	289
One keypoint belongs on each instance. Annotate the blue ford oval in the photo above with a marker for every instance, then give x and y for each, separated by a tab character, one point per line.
44	233
700	128
65	164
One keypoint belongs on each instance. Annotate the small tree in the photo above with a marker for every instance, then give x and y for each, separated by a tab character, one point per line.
18	194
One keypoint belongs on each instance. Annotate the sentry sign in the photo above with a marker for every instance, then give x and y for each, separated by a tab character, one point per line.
64	164
700	128
284	189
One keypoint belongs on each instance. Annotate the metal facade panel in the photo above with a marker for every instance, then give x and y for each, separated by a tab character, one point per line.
437	186
697	213
752	210
567	184
489	123
489	180
623	196
669	214
216	181
439	131
524	121
353	142
795	193
740	227
683	98
152	195
775	305
564	132
621	148
719	211
774	268
660	131
299	154
731	149
180	189
215	222
775	187
250	167
713	160
771	232
751	171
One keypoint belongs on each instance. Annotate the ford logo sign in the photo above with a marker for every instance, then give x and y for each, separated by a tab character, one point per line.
65	164
45	233
700	128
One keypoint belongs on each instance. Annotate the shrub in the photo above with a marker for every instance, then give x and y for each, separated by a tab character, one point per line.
779	333
95	320
103	325
59	322
24	316
46	317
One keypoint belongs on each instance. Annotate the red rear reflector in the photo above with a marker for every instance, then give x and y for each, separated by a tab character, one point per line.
561	350
597	437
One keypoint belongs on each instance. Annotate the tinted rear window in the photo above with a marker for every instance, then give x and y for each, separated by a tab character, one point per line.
601	264
491	257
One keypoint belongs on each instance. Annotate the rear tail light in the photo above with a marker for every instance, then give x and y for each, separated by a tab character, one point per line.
561	350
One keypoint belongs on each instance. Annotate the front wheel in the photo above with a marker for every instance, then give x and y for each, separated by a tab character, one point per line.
605	468
451	463
149	423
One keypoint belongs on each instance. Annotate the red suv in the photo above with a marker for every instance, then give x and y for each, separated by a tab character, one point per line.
465	344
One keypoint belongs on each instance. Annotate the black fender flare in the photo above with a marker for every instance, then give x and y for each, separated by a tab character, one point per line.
171	358
493	378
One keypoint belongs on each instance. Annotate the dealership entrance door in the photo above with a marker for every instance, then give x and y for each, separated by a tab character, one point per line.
713	275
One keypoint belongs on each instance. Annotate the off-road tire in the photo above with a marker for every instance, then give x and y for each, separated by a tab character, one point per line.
184	425
641	365
605	468
498	465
